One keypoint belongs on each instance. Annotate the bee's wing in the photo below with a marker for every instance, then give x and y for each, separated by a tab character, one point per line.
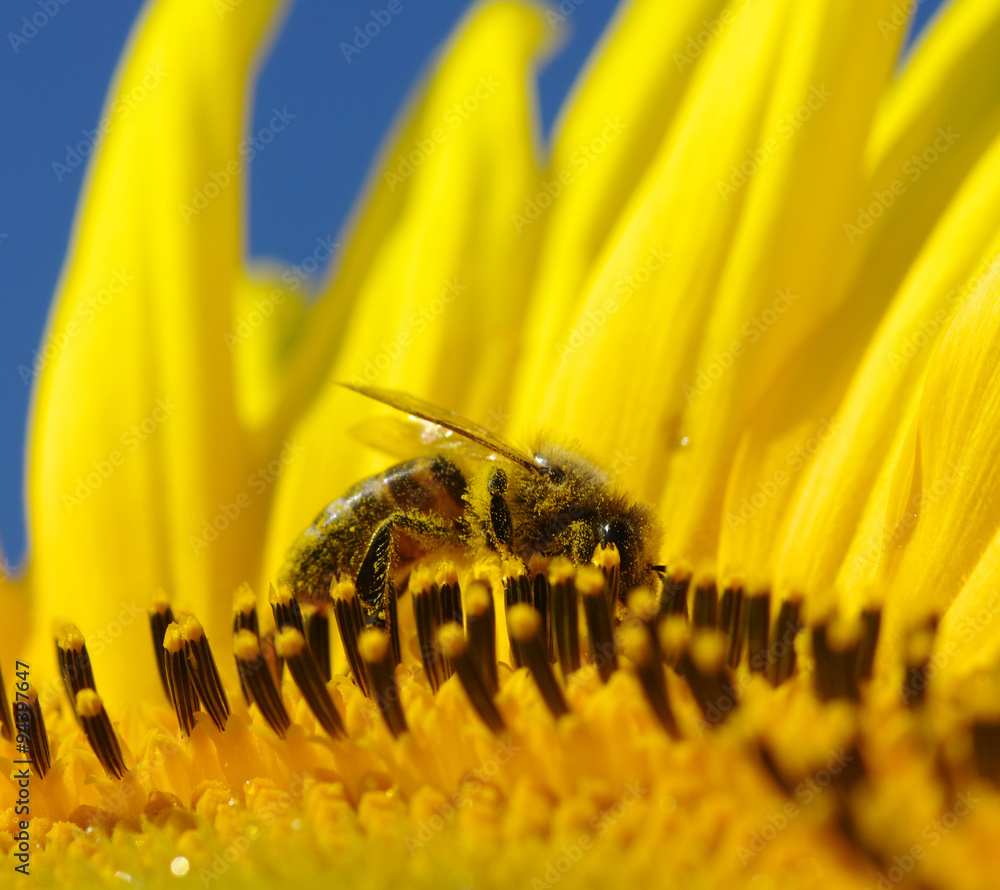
414	437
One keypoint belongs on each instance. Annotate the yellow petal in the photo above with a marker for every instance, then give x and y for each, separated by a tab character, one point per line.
435	276
136	442
836	522
602	149
658	269
944	509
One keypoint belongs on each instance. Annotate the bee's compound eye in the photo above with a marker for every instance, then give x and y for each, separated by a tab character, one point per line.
614	531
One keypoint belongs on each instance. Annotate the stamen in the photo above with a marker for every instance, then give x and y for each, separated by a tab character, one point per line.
704	667
99	732
565	614
481	627
591	583
674	597
350	623
986	745
318	636
286	609
257	679
525	627
871	622
427	615
758	620
732	622
6	727
705	611
291	646
835	648
919	643
245	610
245	618
74	661
275	663
32	733
517	589
541	597
456	648
608	560
781	649
451	593
203	672
180	688
375	649
160	616
638	645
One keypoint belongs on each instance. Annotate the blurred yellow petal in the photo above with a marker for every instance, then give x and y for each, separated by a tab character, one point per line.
944	507
836	521
434	303
603	148
658	270
136	441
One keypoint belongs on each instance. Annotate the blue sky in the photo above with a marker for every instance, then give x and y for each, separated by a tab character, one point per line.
52	88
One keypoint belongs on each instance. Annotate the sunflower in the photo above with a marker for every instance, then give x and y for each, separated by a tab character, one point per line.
754	278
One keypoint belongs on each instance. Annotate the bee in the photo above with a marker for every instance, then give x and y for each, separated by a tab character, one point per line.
467	493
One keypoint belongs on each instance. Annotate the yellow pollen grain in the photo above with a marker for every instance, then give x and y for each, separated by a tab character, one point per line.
634	642
561	570
343	590
373	645
606	557
280	595
245	645
88	703
289	643
674	634
642	604
842	633
590	581
191	629
919	645
708	651
450	638
244	600
524	621
71	638
477	599
173	640
421	580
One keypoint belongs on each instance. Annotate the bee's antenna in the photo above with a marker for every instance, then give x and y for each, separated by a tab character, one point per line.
659	569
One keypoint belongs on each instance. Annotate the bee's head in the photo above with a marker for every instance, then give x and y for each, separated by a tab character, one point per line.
585	491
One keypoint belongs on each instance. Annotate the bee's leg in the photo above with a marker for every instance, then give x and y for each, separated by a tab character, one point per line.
422	532
501	527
